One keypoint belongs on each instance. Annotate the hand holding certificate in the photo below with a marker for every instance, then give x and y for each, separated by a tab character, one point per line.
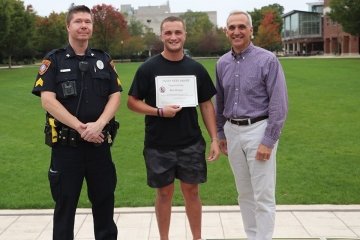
176	90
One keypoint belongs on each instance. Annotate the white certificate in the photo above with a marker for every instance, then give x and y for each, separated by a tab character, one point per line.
176	90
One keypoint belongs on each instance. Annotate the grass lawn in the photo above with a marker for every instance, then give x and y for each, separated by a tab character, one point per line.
318	155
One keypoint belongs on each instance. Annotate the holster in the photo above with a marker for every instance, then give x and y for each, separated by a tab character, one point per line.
112	130
50	130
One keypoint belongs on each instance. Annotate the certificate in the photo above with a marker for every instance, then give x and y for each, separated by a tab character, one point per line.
176	90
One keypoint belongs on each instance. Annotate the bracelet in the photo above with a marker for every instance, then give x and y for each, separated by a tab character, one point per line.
158	112
214	139
161	112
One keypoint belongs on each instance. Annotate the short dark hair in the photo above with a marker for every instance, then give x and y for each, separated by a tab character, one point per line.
172	19
75	9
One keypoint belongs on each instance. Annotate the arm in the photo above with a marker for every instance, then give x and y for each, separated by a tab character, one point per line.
208	115
140	106
278	107
93	129
220	119
59	112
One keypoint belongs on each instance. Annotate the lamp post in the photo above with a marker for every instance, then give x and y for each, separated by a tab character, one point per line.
149	46
121	49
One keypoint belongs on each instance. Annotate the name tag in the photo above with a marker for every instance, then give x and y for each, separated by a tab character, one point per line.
65	70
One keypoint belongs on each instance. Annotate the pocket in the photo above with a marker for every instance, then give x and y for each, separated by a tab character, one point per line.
101	83
63	80
55	187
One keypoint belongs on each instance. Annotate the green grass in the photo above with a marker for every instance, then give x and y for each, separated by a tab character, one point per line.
318	155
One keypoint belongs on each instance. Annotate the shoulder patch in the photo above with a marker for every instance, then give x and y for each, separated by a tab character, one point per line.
44	66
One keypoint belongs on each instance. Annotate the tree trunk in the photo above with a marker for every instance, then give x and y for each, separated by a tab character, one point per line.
9	61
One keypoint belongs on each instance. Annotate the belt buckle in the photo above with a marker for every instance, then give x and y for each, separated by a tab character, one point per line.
249	121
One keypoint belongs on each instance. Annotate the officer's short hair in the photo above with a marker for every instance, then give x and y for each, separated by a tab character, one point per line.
75	9
172	19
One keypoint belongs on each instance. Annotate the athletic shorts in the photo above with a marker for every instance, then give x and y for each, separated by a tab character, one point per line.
187	164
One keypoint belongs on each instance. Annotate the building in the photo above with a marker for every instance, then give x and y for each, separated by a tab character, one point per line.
302	32
336	41
151	16
312	32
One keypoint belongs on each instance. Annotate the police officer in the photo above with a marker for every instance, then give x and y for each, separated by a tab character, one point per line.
80	90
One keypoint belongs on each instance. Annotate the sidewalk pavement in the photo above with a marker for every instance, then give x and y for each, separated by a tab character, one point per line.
317	222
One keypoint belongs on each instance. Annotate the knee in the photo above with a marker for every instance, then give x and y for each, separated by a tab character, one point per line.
191	193
164	195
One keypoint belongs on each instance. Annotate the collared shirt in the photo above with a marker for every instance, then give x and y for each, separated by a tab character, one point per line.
249	85
60	73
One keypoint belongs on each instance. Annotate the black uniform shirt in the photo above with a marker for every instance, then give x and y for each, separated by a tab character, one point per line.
60	73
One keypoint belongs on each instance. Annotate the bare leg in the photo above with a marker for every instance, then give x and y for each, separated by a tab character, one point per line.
163	209
192	207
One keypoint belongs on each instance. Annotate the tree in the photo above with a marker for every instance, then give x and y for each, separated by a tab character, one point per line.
110	28
268	35
258	14
50	32
4	19
347	13
198	25
135	27
18	38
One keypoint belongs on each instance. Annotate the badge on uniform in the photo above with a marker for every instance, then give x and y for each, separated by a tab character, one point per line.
44	66
100	64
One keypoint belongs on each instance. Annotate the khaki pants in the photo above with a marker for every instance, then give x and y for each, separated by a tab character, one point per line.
255	179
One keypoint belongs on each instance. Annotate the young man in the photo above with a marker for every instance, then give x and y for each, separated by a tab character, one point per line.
251	108
80	91
174	146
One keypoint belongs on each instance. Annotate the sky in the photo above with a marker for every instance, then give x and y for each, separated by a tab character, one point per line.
223	8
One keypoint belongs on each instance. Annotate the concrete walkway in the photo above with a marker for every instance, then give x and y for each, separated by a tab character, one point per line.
322	222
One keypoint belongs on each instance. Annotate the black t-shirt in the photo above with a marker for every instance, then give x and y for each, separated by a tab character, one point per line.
182	130
60	73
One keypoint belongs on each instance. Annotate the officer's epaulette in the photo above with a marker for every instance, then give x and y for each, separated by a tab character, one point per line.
101	51
56	50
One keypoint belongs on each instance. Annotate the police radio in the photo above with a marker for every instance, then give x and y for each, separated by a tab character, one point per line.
84	67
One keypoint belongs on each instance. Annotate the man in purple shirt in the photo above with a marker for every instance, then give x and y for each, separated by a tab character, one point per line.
251	108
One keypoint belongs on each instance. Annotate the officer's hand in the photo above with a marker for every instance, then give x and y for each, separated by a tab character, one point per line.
93	133
170	110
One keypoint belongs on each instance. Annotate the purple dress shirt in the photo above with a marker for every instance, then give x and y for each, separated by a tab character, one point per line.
250	85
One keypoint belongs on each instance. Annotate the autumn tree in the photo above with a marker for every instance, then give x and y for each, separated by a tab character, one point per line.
258	15
347	13
110	28
268	35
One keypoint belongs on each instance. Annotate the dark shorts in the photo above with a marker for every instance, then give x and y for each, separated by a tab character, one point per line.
186	164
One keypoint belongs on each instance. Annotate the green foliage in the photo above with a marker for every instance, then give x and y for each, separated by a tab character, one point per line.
347	13
18	35
318	155
50	33
201	37
4	19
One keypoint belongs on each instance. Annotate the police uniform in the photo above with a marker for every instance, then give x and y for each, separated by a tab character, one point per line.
82	85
